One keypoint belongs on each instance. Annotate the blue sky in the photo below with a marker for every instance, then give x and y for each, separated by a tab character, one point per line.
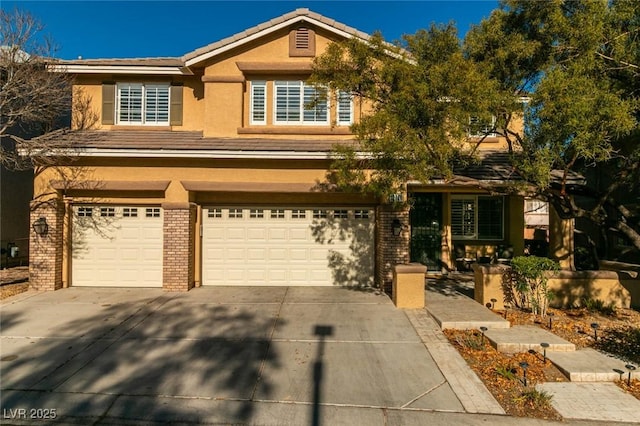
125	29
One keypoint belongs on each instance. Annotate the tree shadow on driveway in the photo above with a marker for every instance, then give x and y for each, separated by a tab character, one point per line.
134	367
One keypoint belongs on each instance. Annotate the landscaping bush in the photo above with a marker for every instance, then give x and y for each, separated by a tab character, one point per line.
528	283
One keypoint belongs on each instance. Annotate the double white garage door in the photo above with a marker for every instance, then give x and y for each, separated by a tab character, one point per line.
287	246
121	246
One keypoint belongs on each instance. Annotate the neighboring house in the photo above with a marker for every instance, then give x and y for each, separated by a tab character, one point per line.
16	190
209	170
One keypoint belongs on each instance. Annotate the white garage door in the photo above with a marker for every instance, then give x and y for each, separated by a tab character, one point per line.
118	246
288	246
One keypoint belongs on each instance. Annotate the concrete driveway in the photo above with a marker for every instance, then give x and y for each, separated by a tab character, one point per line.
217	355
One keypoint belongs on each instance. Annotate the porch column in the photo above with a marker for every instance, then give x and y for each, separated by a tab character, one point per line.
515	235
391	250
45	253
561	239
178	255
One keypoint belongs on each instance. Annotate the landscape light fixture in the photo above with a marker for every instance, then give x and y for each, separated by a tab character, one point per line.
550	320
544	350
620	372
524	366
631	368
595	326
483	329
506	309
396	226
493	303
40	226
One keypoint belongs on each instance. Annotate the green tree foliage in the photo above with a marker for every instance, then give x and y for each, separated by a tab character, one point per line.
420	93
579	63
575	63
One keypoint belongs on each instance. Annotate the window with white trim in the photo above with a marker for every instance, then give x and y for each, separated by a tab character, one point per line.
258	105
141	103
344	109
296	102
477	217
479	128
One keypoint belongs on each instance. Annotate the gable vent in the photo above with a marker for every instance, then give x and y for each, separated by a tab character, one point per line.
302	42
302	38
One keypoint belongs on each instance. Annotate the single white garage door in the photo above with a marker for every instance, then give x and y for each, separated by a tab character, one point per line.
117	246
277	246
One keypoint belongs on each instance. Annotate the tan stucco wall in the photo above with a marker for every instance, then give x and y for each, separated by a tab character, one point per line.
569	288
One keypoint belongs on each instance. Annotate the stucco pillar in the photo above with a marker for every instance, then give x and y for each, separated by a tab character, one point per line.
515	236
561	239
178	254
391	250
45	254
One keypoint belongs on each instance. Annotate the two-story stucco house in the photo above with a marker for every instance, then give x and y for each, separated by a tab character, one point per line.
208	170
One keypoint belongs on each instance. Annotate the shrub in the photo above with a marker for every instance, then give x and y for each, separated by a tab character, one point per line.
597	305
529	277
507	371
535	398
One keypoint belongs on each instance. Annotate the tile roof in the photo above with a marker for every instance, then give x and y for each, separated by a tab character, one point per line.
294	16
298	13
150	62
179	140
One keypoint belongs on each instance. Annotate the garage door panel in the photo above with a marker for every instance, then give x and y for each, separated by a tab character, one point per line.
116	249
277	234
286	246
298	254
278	254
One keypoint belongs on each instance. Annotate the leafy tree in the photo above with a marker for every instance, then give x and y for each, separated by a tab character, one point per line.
32	98
577	63
418	95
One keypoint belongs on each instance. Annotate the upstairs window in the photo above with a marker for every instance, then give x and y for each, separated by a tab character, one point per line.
299	103
139	104
479	128
477	217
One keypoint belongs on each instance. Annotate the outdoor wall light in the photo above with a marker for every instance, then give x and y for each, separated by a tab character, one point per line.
40	226
396	226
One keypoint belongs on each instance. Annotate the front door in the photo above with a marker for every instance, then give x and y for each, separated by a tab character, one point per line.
426	229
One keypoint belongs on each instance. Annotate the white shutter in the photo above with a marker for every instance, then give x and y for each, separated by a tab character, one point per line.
258	111
345	108
129	103
157	104
463	217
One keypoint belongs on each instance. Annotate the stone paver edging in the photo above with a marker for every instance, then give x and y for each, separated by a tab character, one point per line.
468	387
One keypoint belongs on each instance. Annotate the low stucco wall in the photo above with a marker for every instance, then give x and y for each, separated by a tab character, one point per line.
569	287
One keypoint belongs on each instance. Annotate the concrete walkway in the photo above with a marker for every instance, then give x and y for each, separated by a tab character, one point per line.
586	400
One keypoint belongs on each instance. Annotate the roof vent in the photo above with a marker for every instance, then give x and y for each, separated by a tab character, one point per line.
302	42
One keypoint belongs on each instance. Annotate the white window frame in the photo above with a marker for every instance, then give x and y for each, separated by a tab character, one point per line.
300	86
474	233
339	110
486	126
144	87
258	84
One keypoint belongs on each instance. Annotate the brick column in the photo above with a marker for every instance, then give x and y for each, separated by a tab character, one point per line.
178	258
391	250
45	251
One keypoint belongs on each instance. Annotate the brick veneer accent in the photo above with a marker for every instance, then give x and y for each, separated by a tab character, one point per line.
390	250
45	252
178	255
